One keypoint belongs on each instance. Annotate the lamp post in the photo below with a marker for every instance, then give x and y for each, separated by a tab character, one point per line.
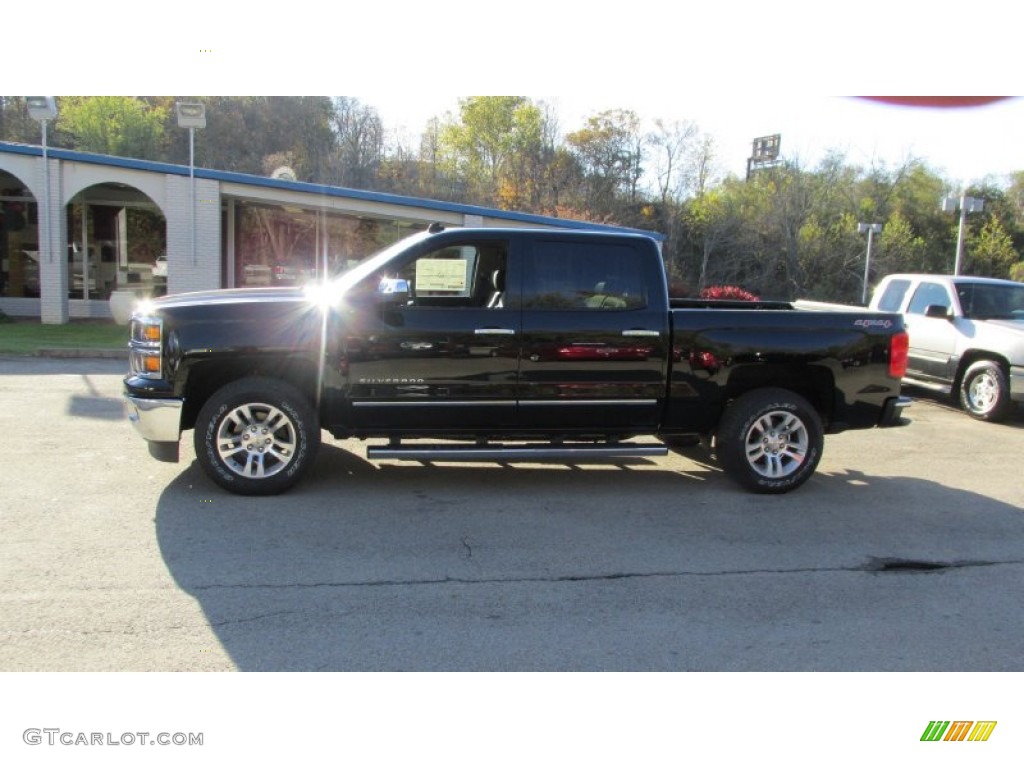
44	109
872	230
966	205
192	115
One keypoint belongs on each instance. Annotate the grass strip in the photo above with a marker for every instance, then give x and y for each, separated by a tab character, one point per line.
26	337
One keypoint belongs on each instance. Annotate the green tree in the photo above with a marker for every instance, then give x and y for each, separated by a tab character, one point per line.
486	145
712	221
563	180
359	142
15	123
114	125
522	182
990	253
610	150
917	196
241	132
899	249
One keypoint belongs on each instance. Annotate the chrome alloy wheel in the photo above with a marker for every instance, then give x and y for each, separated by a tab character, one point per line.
777	444
256	440
983	392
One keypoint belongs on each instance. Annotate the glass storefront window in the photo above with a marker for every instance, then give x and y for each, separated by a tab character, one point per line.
286	246
115	248
19	249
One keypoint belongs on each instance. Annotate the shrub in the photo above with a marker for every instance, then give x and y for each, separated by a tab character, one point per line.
733	292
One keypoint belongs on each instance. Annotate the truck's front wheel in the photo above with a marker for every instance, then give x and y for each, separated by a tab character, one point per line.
256	436
770	440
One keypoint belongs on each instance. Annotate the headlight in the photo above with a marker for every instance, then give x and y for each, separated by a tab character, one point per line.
145	346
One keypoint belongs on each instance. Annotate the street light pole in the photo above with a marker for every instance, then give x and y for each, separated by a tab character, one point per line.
44	109
872	230
966	205
192	116
192	185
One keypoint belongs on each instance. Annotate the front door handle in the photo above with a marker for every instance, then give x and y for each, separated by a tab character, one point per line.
494	332
641	332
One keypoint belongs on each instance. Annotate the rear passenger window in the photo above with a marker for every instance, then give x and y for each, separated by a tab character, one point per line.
926	295
583	276
892	299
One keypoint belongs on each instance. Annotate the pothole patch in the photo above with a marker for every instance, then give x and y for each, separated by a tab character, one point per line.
910	565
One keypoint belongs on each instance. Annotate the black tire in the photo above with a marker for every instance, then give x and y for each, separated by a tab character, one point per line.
256	436
984	391
770	440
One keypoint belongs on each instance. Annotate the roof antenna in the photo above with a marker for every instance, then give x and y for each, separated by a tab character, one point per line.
435	227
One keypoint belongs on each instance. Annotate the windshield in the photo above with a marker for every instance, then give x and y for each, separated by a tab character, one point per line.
992	301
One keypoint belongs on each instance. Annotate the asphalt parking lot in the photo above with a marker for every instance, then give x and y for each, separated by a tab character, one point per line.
904	552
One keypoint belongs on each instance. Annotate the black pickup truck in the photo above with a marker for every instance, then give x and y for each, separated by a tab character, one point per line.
504	344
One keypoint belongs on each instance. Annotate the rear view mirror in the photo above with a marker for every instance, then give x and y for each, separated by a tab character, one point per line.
937	310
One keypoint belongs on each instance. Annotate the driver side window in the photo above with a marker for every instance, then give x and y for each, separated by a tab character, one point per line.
470	274
926	295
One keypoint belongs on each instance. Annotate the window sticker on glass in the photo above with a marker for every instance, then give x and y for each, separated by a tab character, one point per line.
449	275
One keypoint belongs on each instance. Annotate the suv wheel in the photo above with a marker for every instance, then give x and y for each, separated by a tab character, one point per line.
984	392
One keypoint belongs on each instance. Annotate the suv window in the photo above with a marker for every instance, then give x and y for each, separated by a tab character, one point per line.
987	301
928	294
892	299
583	276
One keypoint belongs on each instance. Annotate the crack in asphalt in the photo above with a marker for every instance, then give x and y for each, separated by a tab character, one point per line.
873	566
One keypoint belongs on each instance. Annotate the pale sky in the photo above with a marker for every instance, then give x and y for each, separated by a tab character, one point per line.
739	69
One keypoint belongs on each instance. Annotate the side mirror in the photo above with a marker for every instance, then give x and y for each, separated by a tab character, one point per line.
390	292
393	291
938	311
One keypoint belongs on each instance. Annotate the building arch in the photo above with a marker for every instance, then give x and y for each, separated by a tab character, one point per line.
20	278
77	178
116	237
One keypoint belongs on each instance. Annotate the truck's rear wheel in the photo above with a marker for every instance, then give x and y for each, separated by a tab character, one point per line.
256	436
984	393
770	440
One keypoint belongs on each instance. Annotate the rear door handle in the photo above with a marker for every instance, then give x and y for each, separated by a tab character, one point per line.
641	332
494	332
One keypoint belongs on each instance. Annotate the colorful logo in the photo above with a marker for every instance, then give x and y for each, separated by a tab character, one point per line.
959	730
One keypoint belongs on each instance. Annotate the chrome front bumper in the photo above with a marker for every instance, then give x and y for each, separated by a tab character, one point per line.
158	421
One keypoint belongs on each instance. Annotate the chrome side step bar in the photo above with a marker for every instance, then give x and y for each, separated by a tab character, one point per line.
517	452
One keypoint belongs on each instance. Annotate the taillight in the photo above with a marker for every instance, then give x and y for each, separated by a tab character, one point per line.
899	347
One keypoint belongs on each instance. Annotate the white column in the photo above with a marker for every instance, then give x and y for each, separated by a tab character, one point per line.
182	275
53	259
